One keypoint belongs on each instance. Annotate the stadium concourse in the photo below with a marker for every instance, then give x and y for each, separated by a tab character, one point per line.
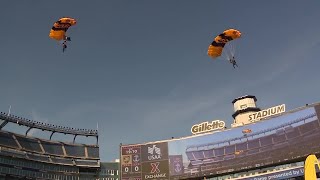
25	157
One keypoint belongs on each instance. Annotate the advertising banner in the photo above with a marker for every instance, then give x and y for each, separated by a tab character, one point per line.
286	174
154	152
156	170
176	165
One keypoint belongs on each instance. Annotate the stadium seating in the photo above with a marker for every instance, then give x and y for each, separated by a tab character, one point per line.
52	148
26	157
29	144
6	140
93	152
75	151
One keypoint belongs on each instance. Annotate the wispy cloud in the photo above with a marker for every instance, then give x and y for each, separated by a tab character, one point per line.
36	117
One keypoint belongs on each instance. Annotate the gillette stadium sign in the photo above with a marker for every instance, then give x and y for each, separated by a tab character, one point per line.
267	112
207	126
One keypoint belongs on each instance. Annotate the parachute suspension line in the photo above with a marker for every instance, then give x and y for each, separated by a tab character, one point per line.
232	48
226	54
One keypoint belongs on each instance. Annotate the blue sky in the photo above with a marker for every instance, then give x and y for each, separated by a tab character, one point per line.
140	70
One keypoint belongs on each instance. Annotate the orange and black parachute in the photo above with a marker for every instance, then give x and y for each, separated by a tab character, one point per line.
238	152
216	47
59	28
246	131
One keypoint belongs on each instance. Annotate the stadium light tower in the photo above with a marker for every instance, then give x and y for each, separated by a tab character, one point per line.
243	106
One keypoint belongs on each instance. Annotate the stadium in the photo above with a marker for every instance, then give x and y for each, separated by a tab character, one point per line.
262	144
25	157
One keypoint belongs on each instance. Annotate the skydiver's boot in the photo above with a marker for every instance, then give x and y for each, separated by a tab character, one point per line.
235	64
64	45
64	48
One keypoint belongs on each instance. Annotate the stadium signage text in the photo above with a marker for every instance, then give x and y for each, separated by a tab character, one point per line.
267	112
207	126
155	176
286	174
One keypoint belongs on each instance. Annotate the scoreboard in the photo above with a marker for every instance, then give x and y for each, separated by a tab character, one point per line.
145	162
131	162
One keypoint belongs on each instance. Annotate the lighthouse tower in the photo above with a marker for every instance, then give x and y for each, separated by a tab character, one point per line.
243	106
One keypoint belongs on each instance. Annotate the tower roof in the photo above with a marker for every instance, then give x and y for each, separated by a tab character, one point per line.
243	97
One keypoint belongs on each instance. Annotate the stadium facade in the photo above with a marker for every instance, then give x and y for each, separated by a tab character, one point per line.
109	171
261	145
25	157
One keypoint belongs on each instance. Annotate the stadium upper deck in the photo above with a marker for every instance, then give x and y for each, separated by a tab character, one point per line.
23	156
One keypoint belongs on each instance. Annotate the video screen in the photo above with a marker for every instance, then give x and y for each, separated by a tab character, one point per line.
260	144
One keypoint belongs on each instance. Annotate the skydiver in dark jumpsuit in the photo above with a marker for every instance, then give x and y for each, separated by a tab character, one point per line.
233	62
64	46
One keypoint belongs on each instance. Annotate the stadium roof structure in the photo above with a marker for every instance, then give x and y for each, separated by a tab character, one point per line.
243	97
45	126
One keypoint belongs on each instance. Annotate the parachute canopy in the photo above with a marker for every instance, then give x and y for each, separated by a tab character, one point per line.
59	28
246	131
238	152
216	47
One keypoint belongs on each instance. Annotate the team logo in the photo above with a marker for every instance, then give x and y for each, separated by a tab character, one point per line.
177	167
155	167
310	168
154	150
136	158
176	164
155	172
155	153
126	159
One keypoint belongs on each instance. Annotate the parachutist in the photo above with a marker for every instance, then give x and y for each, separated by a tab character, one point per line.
59	30
233	62
64	46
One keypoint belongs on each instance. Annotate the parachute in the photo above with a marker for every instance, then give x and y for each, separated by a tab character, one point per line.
216	47
238	152
246	131
60	28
